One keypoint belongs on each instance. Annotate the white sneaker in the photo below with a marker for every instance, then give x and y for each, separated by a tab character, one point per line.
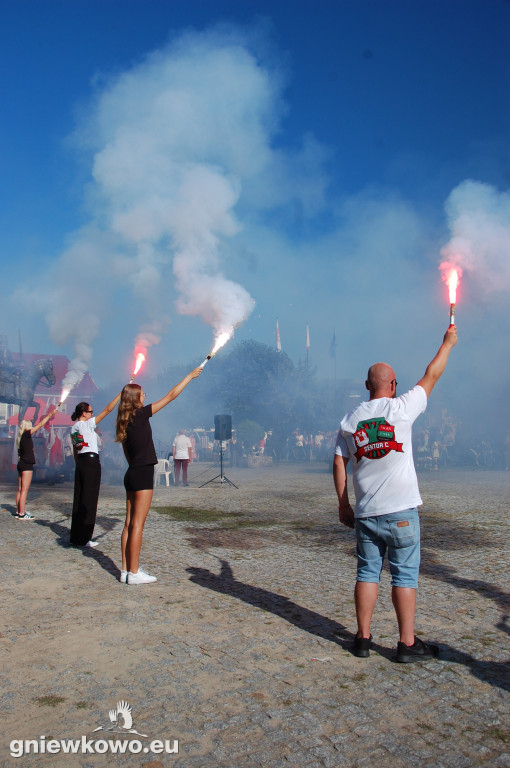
92	543
140	577
123	577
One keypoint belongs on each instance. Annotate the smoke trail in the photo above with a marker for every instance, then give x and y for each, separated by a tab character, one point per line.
201	216
172	144
175	137
70	301
479	221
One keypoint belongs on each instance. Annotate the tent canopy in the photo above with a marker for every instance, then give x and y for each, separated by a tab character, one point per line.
59	420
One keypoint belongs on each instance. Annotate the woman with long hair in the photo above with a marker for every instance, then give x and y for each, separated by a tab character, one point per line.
134	431
26	463
87	476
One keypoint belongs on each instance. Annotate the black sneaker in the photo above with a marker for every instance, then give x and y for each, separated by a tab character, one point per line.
419	651
361	646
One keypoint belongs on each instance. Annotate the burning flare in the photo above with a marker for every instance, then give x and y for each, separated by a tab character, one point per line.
220	342
63	396
140	360
451	275
452	283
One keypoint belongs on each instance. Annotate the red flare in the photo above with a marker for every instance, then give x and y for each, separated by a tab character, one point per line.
140	359
452	282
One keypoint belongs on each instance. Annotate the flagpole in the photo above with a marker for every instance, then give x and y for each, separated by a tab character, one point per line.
334	351
276	437
278	349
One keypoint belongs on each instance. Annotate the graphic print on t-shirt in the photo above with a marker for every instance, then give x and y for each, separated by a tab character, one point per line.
78	441
375	438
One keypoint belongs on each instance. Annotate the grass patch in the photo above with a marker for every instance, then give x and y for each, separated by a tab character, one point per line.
234	525
230	521
83	705
49	701
425	726
302	525
498	733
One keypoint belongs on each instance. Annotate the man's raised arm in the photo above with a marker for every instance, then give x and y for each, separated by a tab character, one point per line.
436	367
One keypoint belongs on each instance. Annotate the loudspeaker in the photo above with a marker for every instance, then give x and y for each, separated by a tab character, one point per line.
222	427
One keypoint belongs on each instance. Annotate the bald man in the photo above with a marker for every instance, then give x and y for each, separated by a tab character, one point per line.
377	437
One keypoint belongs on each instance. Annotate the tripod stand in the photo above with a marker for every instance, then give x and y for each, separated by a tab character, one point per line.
223	478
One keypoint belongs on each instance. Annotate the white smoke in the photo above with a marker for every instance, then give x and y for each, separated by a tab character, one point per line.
71	302
479	220
173	142
176	136
201	216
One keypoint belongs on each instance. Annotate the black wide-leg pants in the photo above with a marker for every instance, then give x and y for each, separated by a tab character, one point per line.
87	479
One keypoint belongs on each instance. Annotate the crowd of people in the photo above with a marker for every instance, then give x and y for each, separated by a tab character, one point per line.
376	436
133	431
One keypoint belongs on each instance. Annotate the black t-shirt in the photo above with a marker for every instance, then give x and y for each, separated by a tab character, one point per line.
26	448
138	445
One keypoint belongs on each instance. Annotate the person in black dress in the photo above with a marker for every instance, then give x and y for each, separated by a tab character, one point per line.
26	463
134	432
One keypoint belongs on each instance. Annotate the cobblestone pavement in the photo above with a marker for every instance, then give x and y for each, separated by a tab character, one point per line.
240	650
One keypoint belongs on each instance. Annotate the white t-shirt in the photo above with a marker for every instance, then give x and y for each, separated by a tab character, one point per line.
376	435
87	430
182	444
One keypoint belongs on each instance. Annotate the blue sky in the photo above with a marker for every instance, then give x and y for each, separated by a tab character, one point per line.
314	156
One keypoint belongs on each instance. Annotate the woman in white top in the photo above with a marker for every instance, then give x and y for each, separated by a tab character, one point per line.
87	476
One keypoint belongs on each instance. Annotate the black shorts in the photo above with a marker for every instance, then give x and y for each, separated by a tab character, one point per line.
24	466
139	478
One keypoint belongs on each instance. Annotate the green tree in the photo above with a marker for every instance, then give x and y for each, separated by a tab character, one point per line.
250	433
253	383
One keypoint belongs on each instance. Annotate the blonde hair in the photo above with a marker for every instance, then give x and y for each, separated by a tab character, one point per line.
25	424
130	403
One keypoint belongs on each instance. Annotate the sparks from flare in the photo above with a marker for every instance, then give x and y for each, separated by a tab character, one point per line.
218	344
63	396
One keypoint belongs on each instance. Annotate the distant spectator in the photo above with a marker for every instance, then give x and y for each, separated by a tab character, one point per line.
182	455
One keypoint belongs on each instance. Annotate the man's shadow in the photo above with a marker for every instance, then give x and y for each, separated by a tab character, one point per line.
446	573
496	673
62	538
303	618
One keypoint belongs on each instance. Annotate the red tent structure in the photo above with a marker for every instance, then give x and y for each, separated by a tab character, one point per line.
59	420
48	441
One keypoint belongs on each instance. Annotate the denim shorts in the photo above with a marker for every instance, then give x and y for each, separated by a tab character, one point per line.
398	534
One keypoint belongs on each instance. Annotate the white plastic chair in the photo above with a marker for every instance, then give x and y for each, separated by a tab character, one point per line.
163	468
